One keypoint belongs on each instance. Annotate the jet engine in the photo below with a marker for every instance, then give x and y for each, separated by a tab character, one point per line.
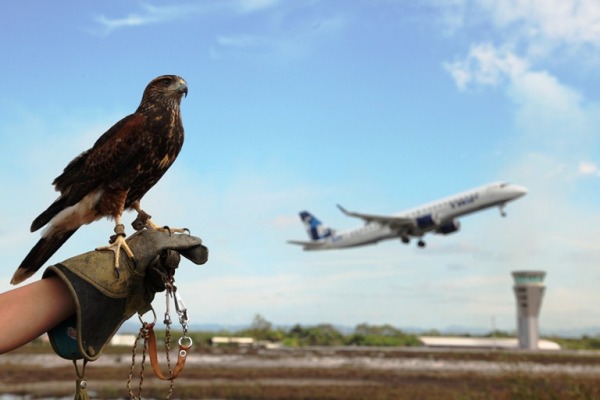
449	227
426	221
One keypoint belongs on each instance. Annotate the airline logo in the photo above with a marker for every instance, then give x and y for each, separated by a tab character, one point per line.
463	201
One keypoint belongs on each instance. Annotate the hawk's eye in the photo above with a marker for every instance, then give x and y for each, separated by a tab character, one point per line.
166	81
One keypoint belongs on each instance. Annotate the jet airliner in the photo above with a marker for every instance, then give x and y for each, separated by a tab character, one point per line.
439	217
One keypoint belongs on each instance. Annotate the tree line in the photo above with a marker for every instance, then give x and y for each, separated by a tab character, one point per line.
319	335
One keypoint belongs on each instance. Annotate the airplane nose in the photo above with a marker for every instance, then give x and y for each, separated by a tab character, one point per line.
521	190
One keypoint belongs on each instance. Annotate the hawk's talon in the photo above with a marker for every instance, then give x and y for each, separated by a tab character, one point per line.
143	221
171	231
117	274
117	243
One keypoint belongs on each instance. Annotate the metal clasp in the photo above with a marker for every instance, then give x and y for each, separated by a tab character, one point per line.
180	309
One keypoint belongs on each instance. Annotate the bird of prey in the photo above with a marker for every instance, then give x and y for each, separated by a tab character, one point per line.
114	175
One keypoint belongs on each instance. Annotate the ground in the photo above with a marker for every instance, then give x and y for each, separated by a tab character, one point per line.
317	373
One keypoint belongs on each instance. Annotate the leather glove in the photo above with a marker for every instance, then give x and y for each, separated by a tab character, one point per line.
103	300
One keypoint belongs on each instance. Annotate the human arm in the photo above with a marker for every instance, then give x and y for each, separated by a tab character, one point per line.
31	310
85	303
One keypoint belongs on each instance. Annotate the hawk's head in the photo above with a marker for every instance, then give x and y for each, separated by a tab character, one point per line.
165	88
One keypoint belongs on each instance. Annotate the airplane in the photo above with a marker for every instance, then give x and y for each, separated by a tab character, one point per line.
439	217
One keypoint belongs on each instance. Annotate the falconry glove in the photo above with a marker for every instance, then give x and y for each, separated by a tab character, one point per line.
104	301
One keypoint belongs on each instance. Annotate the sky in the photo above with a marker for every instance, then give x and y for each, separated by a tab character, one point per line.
377	105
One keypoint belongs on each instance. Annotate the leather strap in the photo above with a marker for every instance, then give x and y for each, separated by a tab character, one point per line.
183	350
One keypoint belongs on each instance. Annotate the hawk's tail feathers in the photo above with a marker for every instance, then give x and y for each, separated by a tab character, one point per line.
39	254
50	213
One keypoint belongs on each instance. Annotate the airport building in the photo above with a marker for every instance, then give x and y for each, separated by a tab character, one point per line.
529	290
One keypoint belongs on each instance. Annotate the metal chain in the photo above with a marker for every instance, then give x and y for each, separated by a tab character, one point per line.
132	364
167	322
143	334
171	291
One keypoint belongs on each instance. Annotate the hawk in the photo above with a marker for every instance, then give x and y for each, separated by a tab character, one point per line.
114	175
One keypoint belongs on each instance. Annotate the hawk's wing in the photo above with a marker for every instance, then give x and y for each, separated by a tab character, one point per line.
109	161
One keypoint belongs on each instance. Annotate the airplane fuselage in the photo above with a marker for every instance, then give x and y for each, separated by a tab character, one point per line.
440	217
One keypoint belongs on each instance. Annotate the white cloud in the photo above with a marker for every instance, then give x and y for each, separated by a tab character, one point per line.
588	168
553	117
247	6
549	115
280	39
281	34
241	41
453	14
486	65
566	21
540	27
149	15
554	128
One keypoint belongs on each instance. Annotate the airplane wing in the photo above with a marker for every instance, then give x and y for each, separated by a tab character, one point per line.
300	242
307	245
390	220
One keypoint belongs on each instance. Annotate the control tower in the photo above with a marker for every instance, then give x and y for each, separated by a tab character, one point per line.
529	290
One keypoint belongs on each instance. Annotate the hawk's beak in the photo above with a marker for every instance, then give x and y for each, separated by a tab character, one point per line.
181	87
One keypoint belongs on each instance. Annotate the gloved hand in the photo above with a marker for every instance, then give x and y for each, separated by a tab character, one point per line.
103	300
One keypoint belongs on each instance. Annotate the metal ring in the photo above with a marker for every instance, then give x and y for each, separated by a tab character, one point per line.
185	337
153	314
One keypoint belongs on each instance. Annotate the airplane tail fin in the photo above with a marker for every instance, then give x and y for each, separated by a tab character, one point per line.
315	228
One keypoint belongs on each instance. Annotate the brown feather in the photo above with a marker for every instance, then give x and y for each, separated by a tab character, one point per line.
124	163
39	254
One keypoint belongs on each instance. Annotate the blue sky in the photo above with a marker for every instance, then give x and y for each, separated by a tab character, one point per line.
292	105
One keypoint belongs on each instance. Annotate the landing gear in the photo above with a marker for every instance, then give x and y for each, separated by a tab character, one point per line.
502	212
406	240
